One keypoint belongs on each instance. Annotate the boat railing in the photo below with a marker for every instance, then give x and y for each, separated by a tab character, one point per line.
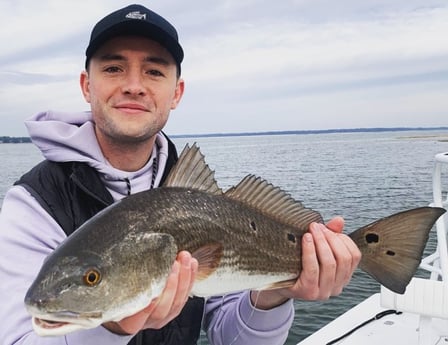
428	297
437	263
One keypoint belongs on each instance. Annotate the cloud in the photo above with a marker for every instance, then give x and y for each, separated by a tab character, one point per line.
319	48
298	74
295	64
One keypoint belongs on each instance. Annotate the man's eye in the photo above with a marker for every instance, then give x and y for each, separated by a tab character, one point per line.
155	73
112	69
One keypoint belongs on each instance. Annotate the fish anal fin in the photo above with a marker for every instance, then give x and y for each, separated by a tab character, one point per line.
282	284
209	257
272	201
191	171
392	247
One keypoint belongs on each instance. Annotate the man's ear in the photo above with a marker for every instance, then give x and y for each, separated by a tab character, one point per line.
85	85
178	93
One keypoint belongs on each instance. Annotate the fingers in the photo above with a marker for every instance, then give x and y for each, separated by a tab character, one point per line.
186	274
347	257
307	286
175	294
345	254
354	256
328	261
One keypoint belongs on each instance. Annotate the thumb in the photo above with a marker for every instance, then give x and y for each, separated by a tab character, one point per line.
336	224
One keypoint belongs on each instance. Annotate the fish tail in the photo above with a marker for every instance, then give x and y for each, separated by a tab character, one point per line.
392	247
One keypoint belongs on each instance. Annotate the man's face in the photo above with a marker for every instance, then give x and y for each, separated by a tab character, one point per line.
131	85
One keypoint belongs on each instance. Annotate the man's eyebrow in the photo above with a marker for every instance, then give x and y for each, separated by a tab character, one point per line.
112	57
118	57
157	60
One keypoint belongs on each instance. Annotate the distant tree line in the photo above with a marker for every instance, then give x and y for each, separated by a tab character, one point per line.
311	131
14	140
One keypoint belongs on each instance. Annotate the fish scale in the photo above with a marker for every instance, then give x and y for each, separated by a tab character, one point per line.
210	226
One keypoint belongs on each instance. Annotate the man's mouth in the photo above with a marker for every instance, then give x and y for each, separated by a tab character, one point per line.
131	107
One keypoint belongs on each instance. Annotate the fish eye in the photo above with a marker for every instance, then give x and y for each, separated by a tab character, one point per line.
92	277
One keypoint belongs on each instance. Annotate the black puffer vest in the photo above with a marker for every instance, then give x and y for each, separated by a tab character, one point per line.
72	193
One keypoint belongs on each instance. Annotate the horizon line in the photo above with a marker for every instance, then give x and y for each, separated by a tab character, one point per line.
312	131
286	132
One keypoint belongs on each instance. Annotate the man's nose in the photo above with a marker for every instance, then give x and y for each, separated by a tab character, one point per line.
134	85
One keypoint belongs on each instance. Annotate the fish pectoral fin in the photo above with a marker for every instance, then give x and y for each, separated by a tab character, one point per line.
209	257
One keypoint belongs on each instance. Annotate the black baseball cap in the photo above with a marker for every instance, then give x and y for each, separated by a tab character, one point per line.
135	20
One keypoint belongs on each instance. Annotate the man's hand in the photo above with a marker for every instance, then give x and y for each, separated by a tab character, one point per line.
168	305
329	259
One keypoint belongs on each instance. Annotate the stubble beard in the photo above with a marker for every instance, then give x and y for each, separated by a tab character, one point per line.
119	133
128	136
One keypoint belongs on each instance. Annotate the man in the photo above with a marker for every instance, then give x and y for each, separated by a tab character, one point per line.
132	82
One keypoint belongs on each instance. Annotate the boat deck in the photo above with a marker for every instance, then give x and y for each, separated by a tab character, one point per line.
392	329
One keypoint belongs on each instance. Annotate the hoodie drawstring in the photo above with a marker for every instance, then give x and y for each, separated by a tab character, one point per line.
153	177
128	185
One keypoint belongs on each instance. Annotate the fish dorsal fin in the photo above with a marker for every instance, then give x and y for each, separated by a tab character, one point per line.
191	171
272	201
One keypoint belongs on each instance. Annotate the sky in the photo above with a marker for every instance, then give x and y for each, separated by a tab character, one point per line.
250	65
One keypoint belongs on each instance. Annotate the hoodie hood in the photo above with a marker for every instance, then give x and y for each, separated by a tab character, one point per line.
67	137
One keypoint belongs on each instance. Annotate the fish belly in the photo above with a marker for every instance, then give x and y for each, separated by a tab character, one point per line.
226	280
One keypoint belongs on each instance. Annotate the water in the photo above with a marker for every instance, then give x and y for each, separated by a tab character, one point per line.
16	159
361	176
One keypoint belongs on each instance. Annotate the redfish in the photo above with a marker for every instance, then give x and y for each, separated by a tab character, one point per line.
248	237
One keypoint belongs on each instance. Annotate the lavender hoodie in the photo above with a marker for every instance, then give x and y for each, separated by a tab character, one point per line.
28	234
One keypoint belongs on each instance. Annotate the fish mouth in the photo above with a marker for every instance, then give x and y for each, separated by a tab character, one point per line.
54	325
48	324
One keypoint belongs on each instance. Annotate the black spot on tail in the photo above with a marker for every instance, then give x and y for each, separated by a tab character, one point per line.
390	253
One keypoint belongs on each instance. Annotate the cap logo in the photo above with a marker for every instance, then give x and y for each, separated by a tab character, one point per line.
136	15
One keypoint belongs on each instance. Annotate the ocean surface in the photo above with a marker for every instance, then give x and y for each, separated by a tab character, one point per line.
361	176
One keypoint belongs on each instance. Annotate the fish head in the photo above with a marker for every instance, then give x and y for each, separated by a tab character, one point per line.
85	289
66	293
